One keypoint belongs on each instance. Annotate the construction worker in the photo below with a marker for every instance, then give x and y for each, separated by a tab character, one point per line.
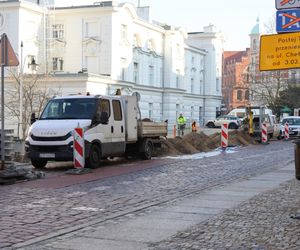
181	124
194	127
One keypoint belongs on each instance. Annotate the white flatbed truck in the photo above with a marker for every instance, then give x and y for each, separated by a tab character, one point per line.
112	127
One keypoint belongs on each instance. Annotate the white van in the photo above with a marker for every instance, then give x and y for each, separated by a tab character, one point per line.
241	112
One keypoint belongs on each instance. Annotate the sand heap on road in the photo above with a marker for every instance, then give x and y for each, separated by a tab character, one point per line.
200	142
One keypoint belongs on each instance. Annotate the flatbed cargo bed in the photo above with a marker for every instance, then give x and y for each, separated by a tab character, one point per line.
152	129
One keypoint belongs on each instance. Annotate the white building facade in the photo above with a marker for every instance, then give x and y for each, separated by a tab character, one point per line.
106	46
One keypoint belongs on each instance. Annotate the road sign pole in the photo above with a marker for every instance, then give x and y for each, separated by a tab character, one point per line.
2	119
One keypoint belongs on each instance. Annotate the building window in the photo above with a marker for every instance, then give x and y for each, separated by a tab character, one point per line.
58	31
135	72
178	49
136	41
124	32
150	110
254	44
217	85
123	69
177	78
247	95
193	60
91	29
161	75
239	95
149	45
200	116
192	85
151	74
192	112
57	64
201	87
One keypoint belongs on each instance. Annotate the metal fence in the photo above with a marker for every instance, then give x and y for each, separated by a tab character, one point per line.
8	144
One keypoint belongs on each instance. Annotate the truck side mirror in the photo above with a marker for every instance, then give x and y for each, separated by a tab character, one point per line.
104	117
32	118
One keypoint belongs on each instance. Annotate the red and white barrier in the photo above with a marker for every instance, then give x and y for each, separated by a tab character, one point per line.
286	131
224	136
78	148
264	133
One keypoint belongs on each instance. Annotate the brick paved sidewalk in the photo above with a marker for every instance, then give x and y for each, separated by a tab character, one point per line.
263	222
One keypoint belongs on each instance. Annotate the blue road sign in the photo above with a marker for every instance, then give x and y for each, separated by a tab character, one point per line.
287	4
288	20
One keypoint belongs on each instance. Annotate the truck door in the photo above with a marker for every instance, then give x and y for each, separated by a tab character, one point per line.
104	130
118	127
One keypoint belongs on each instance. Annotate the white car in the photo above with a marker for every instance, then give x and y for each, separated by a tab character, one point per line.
233	122
294	126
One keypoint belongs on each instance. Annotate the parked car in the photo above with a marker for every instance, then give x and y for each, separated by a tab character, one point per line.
294	126
233	122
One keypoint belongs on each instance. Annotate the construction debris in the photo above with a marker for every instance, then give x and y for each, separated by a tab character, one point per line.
16	172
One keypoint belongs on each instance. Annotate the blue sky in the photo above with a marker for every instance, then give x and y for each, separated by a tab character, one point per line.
235	18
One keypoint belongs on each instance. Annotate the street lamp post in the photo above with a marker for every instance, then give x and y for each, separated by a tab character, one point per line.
204	97
20	131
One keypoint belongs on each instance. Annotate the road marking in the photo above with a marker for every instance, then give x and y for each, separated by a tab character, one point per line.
91	209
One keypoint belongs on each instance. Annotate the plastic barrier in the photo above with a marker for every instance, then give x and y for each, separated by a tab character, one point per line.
264	134
224	136
78	148
286	131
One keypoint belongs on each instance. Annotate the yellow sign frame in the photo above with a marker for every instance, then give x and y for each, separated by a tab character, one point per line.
279	51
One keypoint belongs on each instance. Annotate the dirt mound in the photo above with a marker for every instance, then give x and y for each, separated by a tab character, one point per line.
200	142
167	148
183	146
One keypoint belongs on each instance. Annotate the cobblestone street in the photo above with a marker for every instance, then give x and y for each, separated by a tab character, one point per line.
34	214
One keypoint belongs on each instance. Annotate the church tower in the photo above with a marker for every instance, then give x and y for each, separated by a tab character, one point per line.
253	68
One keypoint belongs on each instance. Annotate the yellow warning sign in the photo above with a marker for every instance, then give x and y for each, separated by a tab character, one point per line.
280	51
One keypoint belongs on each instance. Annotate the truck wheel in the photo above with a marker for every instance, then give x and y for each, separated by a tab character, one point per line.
233	126
93	160
147	150
38	163
210	125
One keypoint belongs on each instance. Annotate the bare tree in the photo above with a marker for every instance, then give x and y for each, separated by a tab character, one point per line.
270	26
266	86
36	93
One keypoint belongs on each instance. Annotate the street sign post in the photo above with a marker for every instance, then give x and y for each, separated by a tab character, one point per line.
288	20
287	4
280	51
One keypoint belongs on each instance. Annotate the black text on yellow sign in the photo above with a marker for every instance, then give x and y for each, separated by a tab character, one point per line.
280	51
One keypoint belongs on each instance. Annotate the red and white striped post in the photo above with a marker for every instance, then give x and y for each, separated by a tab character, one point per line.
224	136
264	133
78	149
286	131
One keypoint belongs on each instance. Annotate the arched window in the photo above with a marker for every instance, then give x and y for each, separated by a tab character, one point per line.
247	94
240	95
151	45
137	41
254	44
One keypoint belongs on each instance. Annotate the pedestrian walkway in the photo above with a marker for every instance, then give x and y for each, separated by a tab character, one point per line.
158	224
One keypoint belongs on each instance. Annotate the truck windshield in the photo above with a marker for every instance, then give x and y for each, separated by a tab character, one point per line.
81	108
